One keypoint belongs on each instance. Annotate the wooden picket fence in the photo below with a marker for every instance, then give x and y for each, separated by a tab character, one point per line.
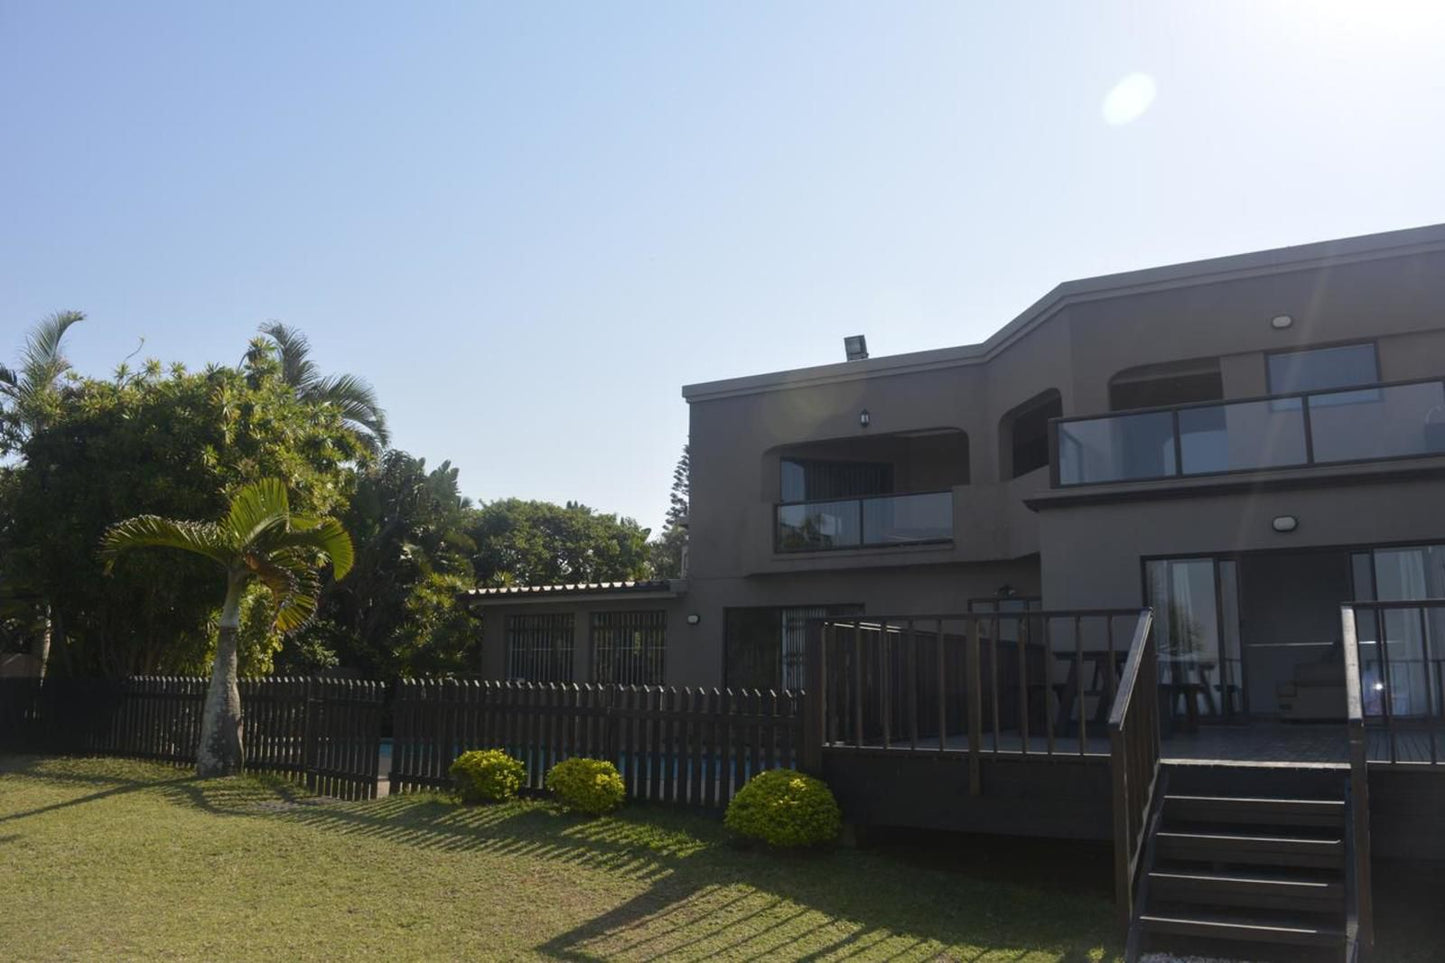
323	732
679	745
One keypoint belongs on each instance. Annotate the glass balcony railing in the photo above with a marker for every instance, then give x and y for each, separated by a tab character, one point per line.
1369	423
875	521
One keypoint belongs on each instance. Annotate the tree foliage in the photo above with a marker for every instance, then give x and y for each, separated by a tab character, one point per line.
538	543
669	550
396	613
168	443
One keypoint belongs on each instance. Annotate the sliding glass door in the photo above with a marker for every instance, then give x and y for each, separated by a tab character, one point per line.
1402	651
1196	625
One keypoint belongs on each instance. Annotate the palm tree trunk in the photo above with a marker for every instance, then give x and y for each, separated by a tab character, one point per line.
219	753
42	644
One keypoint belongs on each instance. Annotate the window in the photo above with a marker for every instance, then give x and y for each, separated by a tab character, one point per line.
813	480
1318	369
539	647
1024	434
1163	385
628	647
766	648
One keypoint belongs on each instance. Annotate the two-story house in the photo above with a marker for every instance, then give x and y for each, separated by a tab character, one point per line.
1242	443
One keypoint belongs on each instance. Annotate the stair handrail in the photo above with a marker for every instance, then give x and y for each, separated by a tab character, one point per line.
1134	758
1362	908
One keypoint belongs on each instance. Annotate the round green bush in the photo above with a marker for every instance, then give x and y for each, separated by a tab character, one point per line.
589	786
487	775
783	807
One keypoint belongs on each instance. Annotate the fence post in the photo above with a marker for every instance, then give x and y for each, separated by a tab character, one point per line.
813	700
308	735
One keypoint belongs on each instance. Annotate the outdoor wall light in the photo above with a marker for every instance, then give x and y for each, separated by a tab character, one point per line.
1280	321
693	618
864	419
1284	523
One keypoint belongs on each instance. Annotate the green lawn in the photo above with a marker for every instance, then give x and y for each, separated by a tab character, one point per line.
107	858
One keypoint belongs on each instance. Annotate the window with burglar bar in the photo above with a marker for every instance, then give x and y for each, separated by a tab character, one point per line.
539	647
628	647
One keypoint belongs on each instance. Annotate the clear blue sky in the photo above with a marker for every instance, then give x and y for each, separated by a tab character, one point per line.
529	224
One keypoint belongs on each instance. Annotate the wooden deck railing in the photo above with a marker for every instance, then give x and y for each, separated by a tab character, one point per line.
1359	906
1026	683
1134	759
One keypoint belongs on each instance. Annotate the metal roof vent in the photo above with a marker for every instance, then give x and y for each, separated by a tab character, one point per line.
856	347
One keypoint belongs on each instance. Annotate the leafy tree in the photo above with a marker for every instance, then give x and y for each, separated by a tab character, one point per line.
353	397
669	549
409	525
259	540
539	543
169	443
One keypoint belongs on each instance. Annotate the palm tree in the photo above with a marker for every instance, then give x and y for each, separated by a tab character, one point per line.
28	394
352	395
258	539
28	388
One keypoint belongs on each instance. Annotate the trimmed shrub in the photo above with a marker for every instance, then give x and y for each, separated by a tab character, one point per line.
783	807
589	786
487	775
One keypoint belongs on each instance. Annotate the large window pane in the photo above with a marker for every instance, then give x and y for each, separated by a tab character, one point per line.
1117	449
899	519
1381	423
1318	368
819	525
1250	434
813	480
1186	625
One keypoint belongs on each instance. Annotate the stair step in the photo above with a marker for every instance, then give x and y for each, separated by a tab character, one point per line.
1241	929
1255	810
1253	850
1254	892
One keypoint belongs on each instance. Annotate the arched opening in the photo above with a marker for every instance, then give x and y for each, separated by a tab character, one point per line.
1024	434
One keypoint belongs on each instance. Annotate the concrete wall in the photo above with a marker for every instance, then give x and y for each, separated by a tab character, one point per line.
1092	551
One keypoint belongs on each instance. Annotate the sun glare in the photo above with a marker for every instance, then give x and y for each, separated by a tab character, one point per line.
1128	100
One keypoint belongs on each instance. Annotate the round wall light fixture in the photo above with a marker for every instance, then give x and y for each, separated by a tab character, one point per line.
693	618
1280	321
1284	523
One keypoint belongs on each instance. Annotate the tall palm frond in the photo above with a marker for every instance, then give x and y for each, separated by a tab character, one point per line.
353	396
41	364
259	537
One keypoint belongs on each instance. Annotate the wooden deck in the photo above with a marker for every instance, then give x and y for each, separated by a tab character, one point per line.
1256	742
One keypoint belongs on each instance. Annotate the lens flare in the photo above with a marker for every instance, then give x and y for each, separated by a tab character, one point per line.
1128	100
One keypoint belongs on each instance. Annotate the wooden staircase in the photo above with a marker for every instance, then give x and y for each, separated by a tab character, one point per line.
1246	862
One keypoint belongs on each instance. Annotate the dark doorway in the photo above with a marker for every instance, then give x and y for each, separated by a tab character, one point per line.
1290	628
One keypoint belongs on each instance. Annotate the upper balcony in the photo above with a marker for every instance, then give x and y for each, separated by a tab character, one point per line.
878	521
1367	423
876	492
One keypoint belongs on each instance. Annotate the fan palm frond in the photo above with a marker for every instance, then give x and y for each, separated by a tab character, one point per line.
151	531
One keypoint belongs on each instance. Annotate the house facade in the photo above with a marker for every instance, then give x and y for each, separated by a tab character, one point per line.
1242	443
